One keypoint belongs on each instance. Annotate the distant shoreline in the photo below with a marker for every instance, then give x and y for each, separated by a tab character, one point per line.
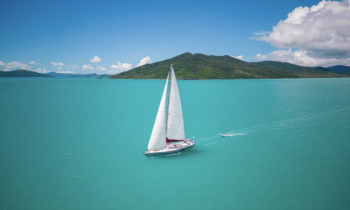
199	66
82	78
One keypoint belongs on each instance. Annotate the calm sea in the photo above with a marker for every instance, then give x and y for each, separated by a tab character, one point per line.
77	144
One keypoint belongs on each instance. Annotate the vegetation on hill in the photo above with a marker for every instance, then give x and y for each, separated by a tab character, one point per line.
340	69
200	66
71	75
25	73
21	73
55	74
298	71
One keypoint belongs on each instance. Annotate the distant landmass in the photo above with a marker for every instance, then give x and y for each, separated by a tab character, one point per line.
22	73
340	69
200	66
55	74
26	73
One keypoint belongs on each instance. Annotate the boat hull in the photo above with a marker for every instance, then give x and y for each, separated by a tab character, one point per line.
168	151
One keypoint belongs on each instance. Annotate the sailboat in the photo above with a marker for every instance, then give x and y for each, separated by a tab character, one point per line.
168	134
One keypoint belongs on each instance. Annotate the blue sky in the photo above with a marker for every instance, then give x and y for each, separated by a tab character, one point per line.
65	36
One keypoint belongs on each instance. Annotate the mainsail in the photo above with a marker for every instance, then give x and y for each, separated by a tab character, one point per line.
158	136
175	122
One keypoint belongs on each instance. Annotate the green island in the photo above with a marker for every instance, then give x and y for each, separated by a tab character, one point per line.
26	73
199	66
22	73
340	69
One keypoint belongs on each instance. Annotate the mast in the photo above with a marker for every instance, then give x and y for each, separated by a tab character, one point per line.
167	111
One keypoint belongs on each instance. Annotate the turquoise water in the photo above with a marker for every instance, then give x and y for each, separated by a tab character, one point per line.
77	144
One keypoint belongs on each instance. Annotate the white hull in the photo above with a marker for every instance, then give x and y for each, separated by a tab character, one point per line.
170	149
226	135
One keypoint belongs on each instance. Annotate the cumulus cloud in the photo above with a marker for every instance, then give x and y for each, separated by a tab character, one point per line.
301	57
101	68
95	59
73	66
144	61
57	64
260	33
15	65
88	66
121	66
240	57
34	63
41	70
318	34
64	72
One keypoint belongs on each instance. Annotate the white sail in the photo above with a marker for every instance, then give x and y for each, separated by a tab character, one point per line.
175	125
158	136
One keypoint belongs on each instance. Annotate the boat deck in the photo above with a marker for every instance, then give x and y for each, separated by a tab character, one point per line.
170	149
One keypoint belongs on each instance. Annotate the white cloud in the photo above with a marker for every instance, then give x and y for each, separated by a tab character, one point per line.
64	72
34	63
319	34
100	68
88	66
41	70
260	33
301	57
122	66
57	64
15	65
240	57
95	59
144	61
73	66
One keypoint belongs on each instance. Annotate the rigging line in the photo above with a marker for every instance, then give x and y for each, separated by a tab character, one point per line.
167	108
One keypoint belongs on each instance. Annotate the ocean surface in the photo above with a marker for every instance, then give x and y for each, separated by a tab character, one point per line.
77	144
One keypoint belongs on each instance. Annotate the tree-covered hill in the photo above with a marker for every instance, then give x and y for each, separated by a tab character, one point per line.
299	71
21	73
340	69
200	66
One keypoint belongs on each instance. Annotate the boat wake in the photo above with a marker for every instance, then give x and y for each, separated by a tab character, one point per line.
217	138
282	124
203	138
238	134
